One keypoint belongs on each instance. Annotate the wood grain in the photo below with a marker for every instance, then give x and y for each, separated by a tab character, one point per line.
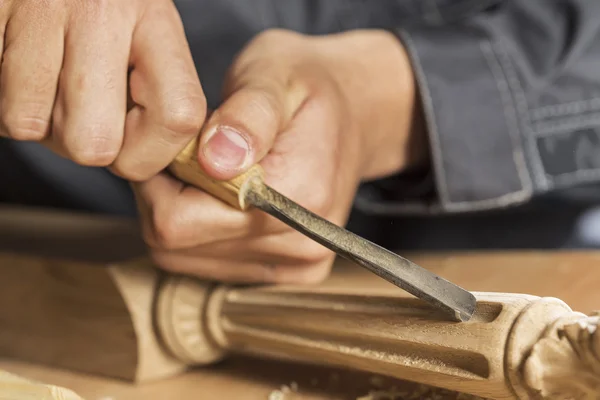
526	272
72	315
256	379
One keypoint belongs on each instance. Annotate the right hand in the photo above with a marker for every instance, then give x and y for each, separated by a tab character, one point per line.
64	81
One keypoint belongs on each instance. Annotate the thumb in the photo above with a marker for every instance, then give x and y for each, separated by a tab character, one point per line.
243	129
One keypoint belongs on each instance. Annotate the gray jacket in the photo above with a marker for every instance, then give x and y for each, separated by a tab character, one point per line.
510	88
511	93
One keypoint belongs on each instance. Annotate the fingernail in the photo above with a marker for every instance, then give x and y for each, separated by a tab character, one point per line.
226	148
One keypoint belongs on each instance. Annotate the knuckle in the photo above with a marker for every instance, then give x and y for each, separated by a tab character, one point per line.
96	148
185	115
167	231
25	127
163	261
148	236
93	158
265	103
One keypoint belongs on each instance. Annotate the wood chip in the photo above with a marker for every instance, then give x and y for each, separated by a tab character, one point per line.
422	392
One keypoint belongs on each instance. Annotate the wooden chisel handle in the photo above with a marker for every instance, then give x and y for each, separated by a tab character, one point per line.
234	191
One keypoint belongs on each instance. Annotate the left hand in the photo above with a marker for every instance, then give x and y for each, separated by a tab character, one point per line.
319	114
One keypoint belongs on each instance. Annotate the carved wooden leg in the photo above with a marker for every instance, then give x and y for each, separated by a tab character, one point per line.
85	317
102	321
515	345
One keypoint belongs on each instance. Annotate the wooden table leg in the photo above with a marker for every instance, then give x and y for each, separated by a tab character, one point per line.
516	346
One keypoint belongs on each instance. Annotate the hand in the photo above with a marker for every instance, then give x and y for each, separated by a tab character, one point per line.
319	114
65	80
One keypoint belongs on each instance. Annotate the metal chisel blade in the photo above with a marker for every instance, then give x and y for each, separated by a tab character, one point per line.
456	301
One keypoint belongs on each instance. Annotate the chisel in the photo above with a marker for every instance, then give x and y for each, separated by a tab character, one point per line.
249	190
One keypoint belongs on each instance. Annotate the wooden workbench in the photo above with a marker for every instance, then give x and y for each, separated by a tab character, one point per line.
572	276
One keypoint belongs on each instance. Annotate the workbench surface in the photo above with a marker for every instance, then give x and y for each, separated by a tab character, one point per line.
571	276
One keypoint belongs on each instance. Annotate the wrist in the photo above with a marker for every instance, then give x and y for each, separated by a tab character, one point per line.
375	75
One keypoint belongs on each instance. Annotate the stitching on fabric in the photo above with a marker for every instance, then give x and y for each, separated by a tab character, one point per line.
509	199
506	199
581	175
521	105
565	109
510	114
430	118
550	128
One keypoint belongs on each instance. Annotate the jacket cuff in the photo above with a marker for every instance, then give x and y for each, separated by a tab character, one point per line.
471	116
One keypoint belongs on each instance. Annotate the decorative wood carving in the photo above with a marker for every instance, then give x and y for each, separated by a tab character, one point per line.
565	361
516	346
129	321
85	317
390	335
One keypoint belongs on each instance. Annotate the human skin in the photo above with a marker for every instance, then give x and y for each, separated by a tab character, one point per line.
67	71
320	114
111	83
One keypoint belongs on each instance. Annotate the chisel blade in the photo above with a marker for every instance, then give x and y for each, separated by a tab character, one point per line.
456	301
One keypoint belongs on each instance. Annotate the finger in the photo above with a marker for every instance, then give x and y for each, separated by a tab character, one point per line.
302	274
242	130
88	120
176	216
287	248
169	102
227	270
215	269
32	59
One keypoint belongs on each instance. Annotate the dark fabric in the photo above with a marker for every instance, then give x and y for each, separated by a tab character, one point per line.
511	93
32	175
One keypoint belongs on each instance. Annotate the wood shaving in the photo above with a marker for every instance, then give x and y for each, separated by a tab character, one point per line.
422	392
276	395
281	393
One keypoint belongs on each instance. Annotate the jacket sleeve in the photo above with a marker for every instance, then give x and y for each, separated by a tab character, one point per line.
511	98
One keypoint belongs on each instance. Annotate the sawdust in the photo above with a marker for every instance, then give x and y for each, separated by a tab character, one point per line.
380	389
422	392
283	392
276	395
